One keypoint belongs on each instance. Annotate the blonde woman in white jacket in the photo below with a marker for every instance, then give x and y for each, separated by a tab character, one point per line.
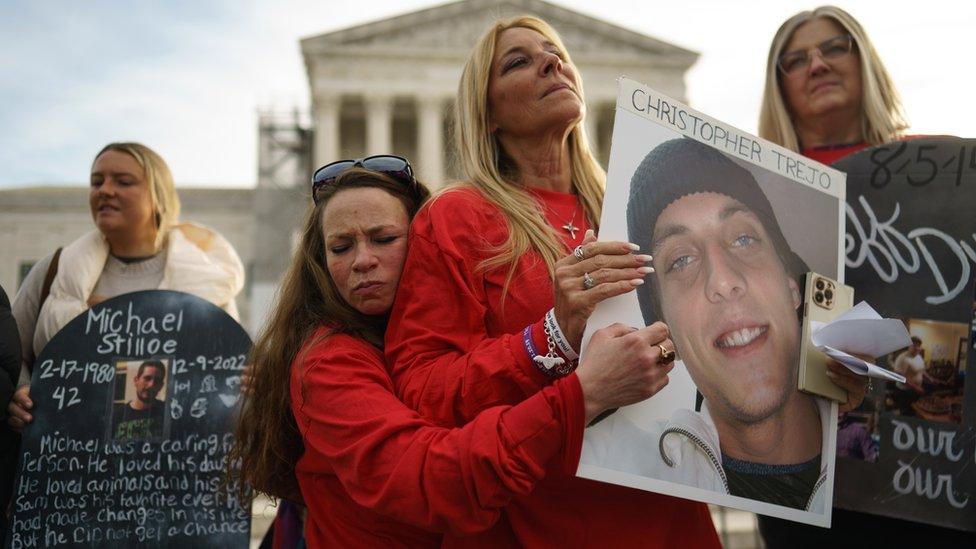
138	244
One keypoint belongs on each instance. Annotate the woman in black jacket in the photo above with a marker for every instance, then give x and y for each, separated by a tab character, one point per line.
9	370
9	354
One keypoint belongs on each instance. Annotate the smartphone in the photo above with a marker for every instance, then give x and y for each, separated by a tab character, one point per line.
824	299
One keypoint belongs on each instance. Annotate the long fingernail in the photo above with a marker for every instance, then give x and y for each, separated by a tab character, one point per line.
637	282
645	270
633	246
644	258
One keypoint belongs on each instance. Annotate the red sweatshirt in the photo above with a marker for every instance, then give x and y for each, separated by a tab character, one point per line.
456	349
830	154
376	474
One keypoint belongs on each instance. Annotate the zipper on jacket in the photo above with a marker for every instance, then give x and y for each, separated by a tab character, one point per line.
701	444
816	487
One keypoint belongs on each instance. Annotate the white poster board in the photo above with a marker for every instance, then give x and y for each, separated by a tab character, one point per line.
726	215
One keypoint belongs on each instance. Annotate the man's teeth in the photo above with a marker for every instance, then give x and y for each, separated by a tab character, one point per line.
741	337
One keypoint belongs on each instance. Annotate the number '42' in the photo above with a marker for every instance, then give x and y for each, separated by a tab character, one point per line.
71	394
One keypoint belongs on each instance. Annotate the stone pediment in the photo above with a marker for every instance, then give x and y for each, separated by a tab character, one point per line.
451	30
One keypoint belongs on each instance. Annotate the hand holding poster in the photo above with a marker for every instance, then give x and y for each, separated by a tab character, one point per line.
133	403
717	208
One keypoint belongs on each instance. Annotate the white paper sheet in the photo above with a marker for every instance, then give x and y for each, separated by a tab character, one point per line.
862	331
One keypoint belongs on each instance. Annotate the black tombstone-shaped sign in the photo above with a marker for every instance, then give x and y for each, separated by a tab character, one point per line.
911	253
133	403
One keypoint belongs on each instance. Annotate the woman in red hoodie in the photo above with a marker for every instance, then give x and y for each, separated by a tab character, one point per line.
321	423
492	304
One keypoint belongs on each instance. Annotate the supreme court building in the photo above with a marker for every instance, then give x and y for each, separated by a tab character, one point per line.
381	87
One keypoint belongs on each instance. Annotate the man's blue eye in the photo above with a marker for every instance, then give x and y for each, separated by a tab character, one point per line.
679	263
744	240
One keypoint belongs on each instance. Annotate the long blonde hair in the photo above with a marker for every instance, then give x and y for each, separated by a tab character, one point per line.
884	117
165	201
482	159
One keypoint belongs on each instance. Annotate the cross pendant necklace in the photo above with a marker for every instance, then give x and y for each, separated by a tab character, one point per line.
570	228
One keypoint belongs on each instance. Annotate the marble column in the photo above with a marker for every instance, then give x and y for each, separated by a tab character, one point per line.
430	140
379	124
326	129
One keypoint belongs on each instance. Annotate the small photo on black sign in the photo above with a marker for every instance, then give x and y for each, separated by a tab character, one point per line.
934	368
139	402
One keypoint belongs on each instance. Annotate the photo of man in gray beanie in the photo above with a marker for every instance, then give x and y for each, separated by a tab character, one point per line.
728	285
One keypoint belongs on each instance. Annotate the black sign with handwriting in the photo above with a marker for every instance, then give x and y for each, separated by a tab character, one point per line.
133	402
911	253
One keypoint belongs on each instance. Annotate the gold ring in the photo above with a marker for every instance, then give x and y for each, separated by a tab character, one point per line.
667	355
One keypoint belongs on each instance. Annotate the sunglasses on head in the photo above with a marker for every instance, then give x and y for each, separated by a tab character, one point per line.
395	167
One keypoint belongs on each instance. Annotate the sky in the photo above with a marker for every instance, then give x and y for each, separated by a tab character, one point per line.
188	78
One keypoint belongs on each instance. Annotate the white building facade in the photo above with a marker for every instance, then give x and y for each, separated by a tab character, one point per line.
36	221
381	87
388	86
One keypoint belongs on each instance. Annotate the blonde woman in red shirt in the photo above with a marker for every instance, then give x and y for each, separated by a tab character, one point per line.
322	425
827	92
828	95
500	281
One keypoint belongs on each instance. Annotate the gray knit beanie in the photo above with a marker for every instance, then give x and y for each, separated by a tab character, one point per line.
683	166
